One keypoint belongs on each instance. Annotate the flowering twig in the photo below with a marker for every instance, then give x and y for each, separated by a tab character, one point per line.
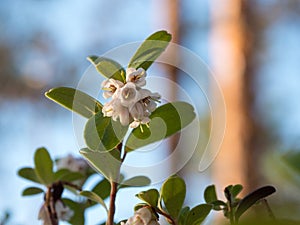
113	194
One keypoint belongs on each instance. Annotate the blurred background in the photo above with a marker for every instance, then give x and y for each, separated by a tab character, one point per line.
252	46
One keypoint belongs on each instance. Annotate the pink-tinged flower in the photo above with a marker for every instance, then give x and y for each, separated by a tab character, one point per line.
110	86
116	110
128	95
143	216
136	76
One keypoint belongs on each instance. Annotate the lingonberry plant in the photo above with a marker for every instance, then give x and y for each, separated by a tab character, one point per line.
132	117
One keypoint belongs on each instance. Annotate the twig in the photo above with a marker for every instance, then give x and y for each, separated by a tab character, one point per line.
169	218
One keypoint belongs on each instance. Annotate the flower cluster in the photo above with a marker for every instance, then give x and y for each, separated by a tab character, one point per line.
143	216
130	103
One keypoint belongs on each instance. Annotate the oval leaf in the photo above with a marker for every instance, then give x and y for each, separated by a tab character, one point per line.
108	68
32	191
106	163
102	188
75	100
162	124
67	175
29	174
252	198
138	181
150	50
94	197
103	133
150	196
210	194
44	166
236	189
173	194
198	214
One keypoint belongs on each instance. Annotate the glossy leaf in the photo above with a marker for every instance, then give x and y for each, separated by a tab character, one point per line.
44	166
198	214
106	163
103	133
166	120
210	194
94	197
32	191
173	193
150	196
75	100
150	50
138	181
252	198
29	174
108	68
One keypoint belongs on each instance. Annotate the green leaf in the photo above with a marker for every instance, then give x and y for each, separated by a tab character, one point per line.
183	215
166	120
75	100
173	193
139	206
252	198
67	175
150	196
94	197
108	68
103	133
29	174
78	208
138	181
107	163
236	189
44	166
198	214
218	205
102	188
32	191
150	50
210	194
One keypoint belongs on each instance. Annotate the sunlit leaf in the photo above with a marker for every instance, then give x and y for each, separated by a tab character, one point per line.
75	100
138	181
32	191
103	133
198	214
94	197
150	196
173	193
108	68
252	198
44	166
150	50
29	174
166	120
106	163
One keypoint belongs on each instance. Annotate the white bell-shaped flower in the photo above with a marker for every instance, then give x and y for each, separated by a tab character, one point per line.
137	76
